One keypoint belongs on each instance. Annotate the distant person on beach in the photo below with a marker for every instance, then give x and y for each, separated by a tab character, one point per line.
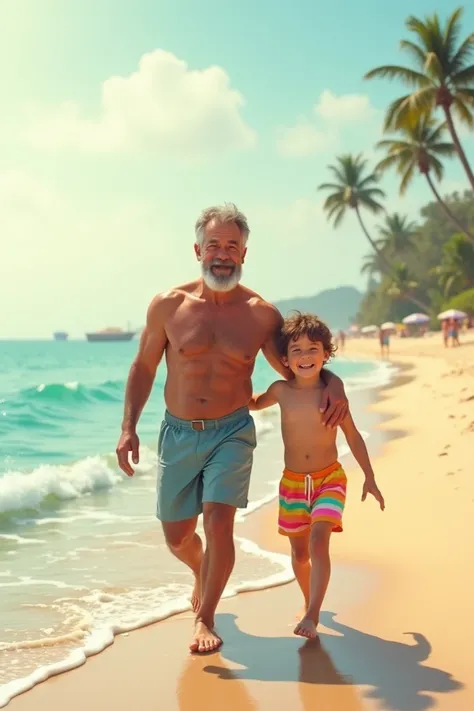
313	485
211	331
453	332
445	331
384	340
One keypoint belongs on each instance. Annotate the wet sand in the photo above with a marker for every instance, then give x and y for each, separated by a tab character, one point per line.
397	625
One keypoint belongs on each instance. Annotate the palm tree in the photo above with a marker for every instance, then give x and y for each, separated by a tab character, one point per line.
373	265
419	146
396	234
442	76
355	188
402	285
456	271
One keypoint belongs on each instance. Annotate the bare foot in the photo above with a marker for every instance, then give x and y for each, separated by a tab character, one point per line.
306	628
204	639
302	611
196	595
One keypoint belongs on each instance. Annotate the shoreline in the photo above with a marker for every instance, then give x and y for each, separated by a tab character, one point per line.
100	641
382	572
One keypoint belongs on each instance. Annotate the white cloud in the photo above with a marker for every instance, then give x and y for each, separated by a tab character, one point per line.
303	138
346	107
324	131
164	107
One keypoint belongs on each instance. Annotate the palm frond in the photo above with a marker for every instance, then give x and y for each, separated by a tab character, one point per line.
444	149
404	74
415	51
336	199
372	205
393	111
394	145
437	132
386	163
452	31
465	76
330	186
434	66
437	167
462	111
408	175
339	217
462	55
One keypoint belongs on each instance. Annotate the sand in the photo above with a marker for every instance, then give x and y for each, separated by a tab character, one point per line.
397	625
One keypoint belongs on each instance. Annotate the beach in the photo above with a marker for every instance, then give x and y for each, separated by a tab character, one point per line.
396	625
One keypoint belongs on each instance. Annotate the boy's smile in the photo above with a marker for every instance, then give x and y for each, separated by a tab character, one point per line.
306	357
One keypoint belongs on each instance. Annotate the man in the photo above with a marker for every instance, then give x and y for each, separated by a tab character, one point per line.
211	331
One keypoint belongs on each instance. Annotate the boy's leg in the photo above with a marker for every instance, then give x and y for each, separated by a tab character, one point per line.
320	574
301	563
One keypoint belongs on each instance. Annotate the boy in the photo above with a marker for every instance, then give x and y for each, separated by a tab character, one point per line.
313	485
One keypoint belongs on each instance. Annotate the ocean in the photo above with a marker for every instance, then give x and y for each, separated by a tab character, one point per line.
82	557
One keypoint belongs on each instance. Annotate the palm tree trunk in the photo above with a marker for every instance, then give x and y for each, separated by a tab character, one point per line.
457	143
451	215
378	251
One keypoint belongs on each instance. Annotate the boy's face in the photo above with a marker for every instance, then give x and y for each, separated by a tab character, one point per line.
305	357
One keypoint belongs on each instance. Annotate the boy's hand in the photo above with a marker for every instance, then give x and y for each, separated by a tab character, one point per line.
370	487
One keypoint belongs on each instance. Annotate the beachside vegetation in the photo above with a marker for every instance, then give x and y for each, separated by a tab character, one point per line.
427	264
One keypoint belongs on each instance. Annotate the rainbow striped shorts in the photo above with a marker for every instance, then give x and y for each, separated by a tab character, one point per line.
308	498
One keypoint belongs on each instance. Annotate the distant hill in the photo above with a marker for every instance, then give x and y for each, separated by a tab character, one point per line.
338	307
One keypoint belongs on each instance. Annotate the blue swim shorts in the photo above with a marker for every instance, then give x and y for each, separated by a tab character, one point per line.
203	461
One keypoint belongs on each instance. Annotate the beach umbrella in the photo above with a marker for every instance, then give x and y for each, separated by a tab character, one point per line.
416	318
369	329
388	326
451	313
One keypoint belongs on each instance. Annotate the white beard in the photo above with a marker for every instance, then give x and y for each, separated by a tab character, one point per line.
220	283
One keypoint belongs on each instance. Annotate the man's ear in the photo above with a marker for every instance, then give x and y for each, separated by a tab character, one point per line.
243	254
197	251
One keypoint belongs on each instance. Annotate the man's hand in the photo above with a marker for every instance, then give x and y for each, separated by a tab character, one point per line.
128	442
334	403
370	487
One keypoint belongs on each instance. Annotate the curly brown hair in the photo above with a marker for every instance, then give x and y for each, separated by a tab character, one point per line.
304	324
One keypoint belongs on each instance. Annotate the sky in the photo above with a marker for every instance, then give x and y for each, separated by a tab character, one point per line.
122	119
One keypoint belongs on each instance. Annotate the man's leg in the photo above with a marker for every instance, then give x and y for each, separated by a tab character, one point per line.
301	563
216	569
186	545
320	574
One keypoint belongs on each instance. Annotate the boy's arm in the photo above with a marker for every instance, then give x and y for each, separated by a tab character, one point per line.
359	450
267	399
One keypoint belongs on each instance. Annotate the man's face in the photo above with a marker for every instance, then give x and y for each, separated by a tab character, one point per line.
221	255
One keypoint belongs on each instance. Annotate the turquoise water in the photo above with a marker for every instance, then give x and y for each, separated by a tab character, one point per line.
81	554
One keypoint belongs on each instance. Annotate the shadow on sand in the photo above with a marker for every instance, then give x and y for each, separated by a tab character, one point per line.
392	671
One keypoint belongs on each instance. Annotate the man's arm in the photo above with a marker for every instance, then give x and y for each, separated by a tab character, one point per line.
334	403
273	324
266	399
359	450
142	373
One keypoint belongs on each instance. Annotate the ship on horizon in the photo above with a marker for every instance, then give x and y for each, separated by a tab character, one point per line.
60	336
110	334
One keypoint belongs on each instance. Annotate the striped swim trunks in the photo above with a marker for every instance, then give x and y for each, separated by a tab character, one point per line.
308	498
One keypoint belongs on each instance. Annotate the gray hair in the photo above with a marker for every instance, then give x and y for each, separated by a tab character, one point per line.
227	212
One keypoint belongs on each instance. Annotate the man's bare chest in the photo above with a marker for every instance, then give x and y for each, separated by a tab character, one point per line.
230	331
